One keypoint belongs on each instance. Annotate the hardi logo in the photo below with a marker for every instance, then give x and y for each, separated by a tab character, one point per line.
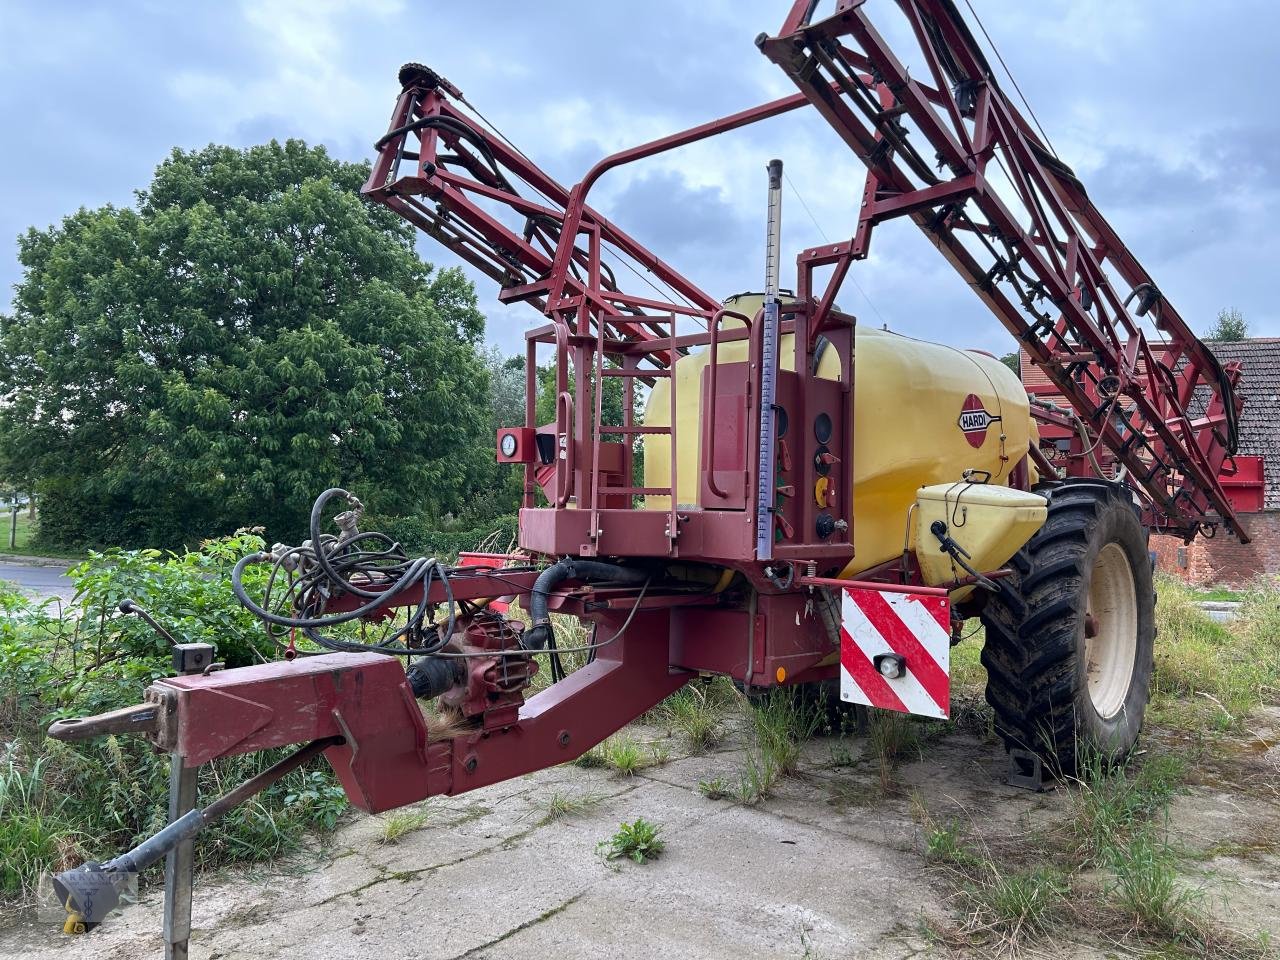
974	420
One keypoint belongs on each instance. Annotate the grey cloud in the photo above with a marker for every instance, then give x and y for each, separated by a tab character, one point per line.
1199	209
666	213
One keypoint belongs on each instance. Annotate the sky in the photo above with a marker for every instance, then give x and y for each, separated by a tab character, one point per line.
1166	111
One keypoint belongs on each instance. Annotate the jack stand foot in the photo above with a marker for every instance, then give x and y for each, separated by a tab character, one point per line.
1026	770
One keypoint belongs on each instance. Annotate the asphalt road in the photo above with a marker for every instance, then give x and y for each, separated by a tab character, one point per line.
38	581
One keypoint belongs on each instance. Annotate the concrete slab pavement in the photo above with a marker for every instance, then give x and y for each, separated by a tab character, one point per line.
831	866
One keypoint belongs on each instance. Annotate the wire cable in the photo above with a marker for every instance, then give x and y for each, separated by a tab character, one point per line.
822	233
1009	74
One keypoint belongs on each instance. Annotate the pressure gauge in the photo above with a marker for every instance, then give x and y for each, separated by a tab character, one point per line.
508	445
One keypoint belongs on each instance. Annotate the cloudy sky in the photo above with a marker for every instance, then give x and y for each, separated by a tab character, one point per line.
1164	108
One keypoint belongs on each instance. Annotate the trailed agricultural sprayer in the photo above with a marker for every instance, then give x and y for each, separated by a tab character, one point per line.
818	504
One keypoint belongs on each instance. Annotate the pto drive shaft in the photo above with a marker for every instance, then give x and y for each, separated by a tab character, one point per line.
92	890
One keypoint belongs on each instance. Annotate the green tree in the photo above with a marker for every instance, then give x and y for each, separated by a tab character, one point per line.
250	333
1013	361
1230	325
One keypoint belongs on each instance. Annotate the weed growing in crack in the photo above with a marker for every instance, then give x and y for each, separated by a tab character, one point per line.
841	755
781	721
944	843
1145	882
697	712
806	944
756	779
894	736
593	759
624	754
560	805
638	841
717	789
1111	802
405	821
1016	905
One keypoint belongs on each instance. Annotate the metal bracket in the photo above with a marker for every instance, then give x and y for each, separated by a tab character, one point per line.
1026	770
179	863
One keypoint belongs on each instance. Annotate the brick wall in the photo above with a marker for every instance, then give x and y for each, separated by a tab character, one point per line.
1224	560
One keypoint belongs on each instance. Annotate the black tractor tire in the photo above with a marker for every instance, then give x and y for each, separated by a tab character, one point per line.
1070	635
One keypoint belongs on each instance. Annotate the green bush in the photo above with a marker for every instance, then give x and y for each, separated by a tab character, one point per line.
189	593
423	537
63	803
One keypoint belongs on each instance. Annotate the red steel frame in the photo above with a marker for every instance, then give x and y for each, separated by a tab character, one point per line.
550	252
1037	239
456	178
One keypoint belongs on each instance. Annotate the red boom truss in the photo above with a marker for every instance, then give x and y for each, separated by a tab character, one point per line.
951	153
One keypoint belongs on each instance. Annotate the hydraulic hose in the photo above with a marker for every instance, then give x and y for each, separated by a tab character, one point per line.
539	634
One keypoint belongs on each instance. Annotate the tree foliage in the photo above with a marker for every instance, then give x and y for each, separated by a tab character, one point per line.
62	804
249	334
1230	325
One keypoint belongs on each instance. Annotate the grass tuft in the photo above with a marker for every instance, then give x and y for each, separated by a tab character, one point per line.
1145	883
561	805
697	712
781	721
1113	802
894	737
402	822
716	789
1017	905
624	754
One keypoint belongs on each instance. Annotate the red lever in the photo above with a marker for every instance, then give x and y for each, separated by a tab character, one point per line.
787	529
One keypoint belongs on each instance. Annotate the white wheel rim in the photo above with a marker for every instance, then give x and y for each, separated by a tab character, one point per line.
1111	651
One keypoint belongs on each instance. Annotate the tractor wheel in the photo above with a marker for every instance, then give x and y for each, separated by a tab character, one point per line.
1069	636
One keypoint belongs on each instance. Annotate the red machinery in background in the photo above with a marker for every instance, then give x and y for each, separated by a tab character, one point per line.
741	582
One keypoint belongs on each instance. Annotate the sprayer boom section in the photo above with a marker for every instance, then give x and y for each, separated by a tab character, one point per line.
944	147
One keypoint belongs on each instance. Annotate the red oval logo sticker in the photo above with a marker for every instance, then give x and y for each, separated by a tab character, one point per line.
974	420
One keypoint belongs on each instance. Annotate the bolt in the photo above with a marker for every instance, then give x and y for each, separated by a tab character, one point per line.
471	764
563	738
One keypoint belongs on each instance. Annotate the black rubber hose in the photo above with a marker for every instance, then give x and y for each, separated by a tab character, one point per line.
538	635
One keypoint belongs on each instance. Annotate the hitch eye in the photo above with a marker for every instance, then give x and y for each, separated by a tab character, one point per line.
890	665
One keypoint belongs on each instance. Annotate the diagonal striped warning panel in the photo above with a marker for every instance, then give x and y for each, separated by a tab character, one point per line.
914	627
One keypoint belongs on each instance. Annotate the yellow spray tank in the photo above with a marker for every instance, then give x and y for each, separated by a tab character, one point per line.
924	414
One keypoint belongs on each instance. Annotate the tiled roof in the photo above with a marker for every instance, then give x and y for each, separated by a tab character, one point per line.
1260	422
1260	385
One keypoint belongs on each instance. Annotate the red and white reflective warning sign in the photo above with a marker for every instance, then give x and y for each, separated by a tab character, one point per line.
895	651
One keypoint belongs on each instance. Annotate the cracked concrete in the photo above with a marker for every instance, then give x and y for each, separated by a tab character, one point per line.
828	867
